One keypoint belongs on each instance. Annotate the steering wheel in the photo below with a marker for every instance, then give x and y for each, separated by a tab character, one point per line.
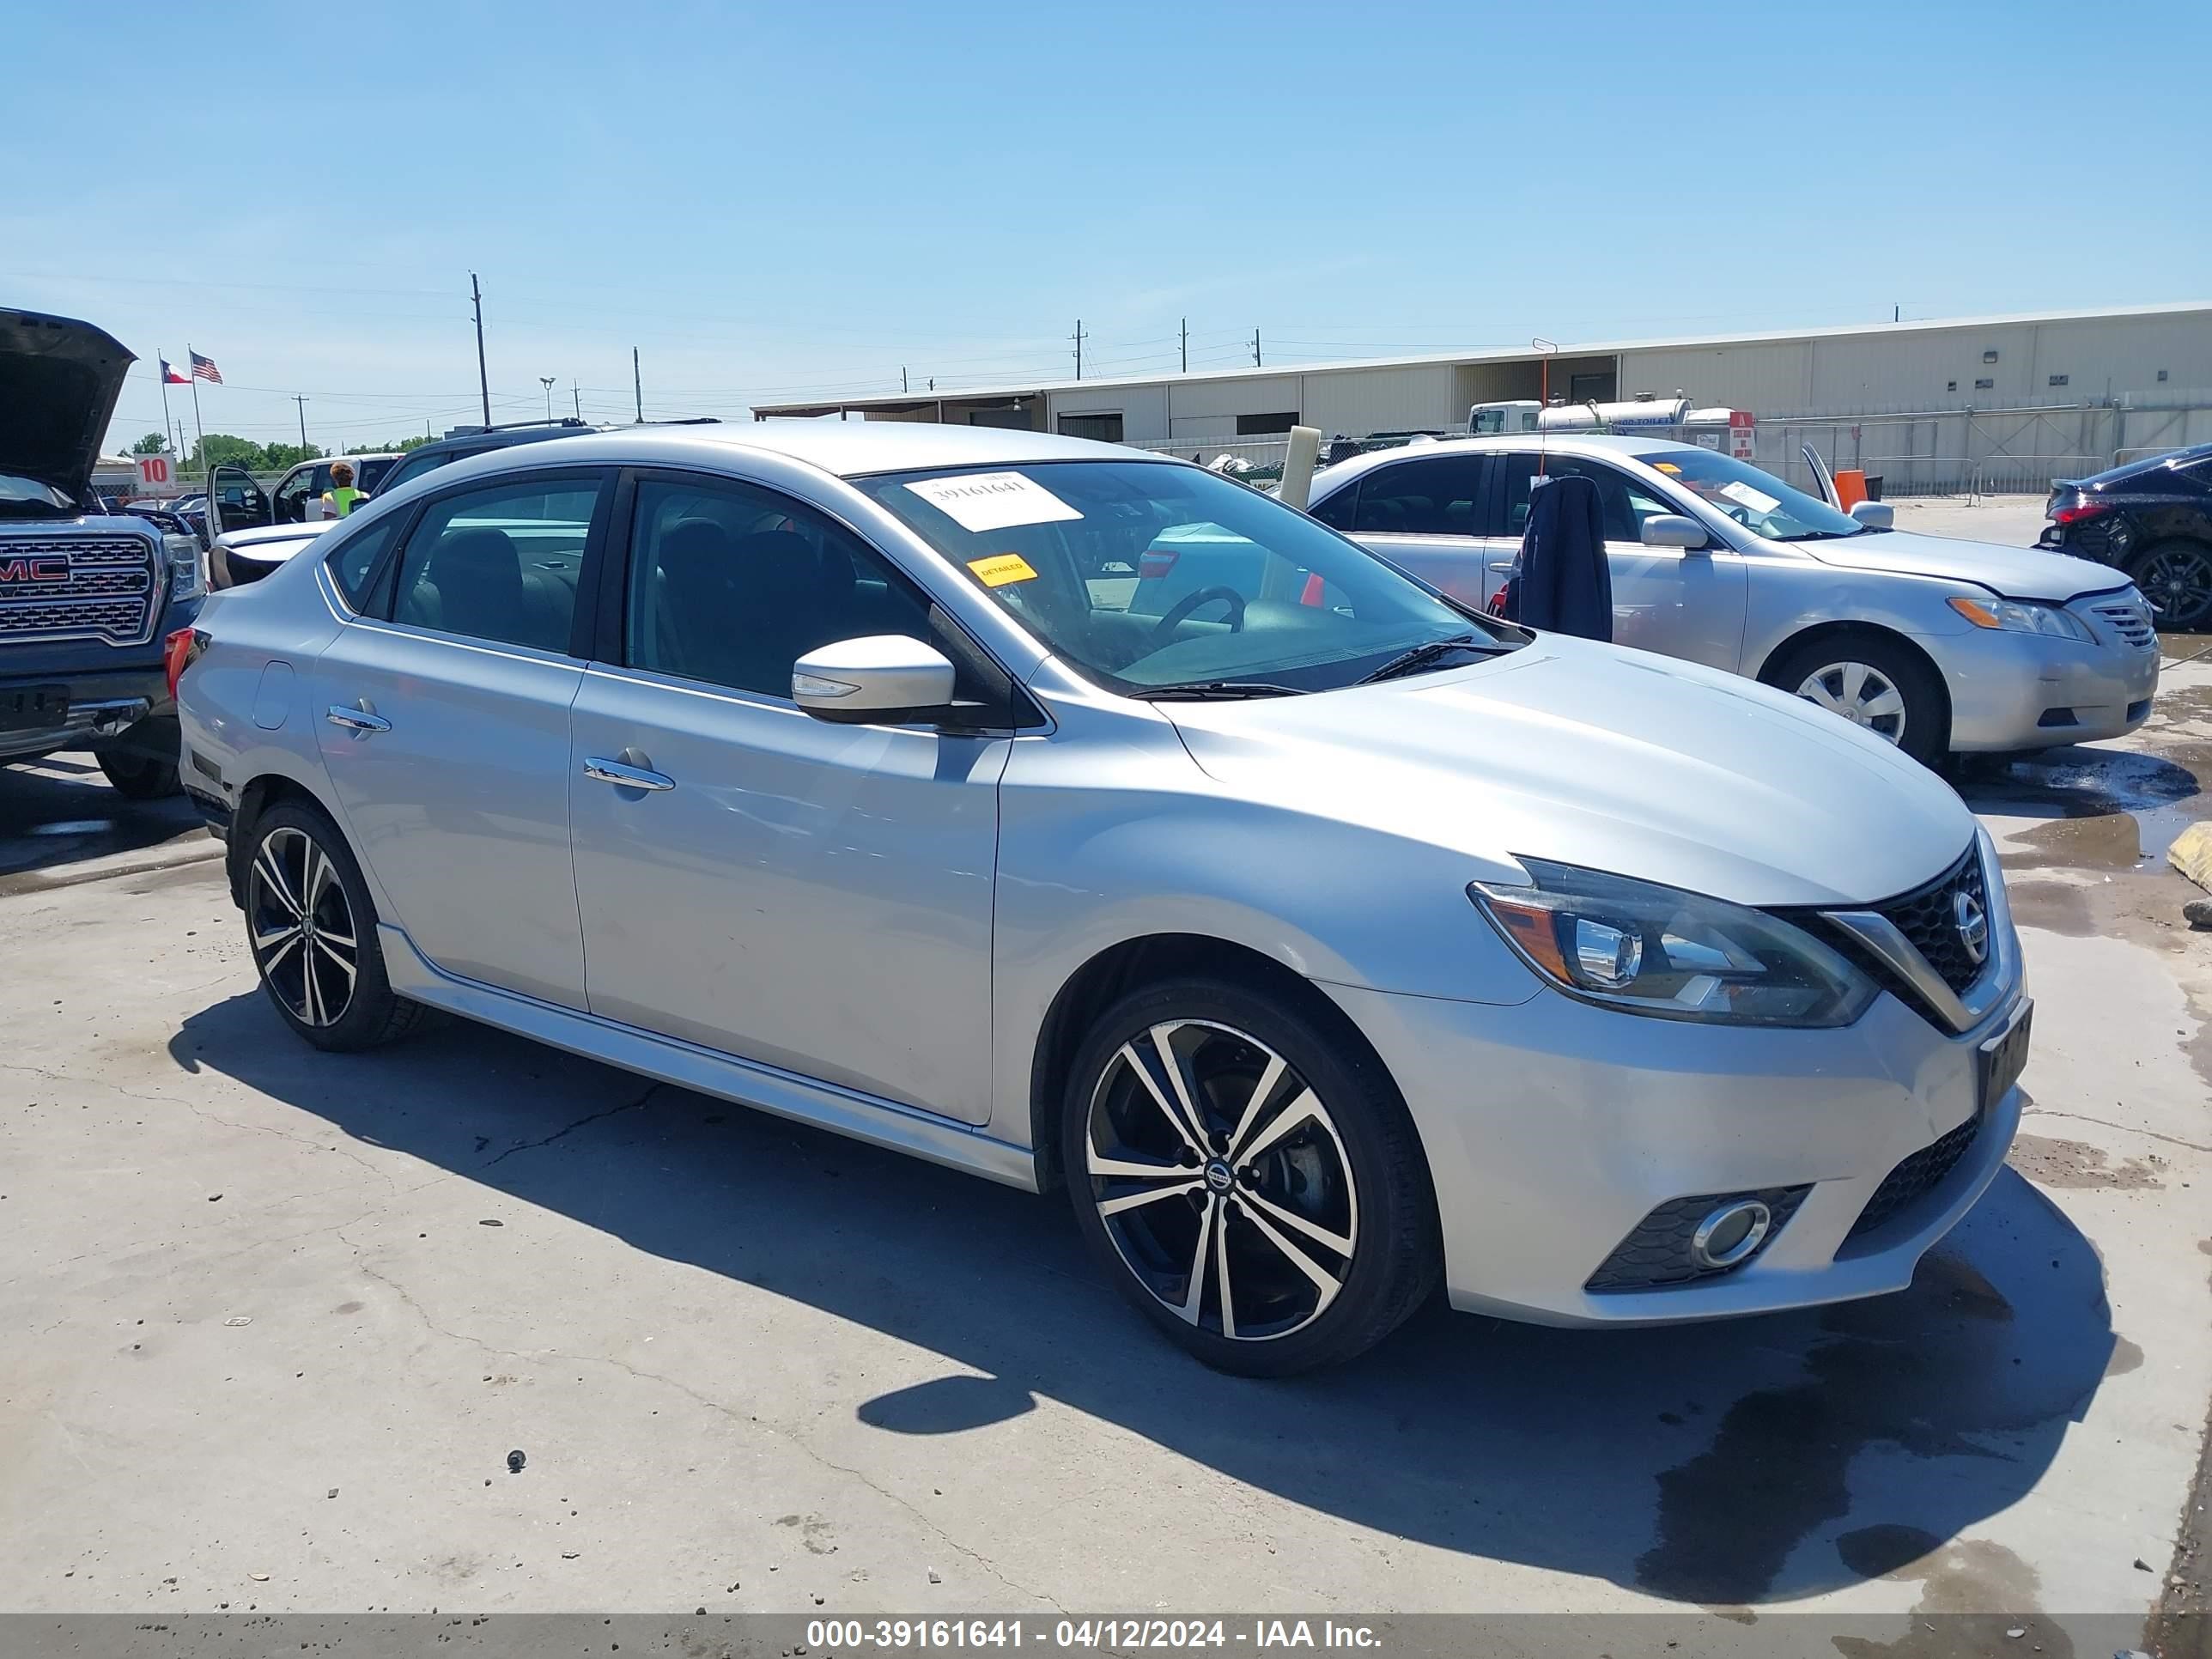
1740	514
1163	629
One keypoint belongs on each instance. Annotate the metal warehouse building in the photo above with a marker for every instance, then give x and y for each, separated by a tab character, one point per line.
1988	402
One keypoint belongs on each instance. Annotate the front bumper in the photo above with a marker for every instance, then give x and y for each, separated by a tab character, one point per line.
101	709
2012	691
1554	1128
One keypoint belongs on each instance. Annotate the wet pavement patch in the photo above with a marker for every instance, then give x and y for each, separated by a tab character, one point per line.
1984	1359
2076	1164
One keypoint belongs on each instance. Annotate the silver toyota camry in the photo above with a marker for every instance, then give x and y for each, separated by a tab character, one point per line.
1942	647
1325	941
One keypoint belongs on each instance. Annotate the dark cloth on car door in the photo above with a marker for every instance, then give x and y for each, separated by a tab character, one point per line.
1563	582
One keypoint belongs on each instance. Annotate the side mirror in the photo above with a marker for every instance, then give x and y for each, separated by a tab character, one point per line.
885	679
1875	515
1674	530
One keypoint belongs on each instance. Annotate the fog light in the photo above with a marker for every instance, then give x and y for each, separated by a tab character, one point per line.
1730	1233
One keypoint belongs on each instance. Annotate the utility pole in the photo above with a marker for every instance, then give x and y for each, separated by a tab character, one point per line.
637	384
546	380
1897	313
1186	345
302	402
1256	348
577	392
483	379
1078	348
901	377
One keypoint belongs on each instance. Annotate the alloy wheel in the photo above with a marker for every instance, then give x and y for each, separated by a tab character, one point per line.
302	926
1222	1180
1862	694
2179	581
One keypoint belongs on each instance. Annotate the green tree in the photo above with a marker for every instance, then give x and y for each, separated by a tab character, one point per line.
152	444
275	456
222	449
399	446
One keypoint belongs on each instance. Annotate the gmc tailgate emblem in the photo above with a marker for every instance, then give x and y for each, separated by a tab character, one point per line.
45	568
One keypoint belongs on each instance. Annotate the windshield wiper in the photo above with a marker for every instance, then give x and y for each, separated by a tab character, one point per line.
1216	691
1406	662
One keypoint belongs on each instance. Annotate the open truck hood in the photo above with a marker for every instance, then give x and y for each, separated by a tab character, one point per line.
59	379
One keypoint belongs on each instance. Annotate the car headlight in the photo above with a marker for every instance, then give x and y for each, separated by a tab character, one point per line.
2012	617
1651	950
186	579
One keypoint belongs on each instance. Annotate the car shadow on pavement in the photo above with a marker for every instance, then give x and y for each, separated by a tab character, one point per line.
1727	1464
59	810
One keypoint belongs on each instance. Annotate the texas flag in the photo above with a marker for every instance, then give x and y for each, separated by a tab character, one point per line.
169	375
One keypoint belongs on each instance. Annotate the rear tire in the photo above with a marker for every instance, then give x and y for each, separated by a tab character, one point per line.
1880	685
140	777
1265	1202
2176	576
311	926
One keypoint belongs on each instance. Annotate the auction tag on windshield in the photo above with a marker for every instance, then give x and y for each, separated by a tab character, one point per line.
1000	568
993	501
1757	499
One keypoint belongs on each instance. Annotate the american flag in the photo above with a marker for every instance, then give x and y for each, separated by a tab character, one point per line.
203	368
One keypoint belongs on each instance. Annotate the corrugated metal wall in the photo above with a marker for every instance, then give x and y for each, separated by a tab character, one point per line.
1356	402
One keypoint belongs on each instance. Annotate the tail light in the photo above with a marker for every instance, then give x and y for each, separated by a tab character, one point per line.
179	651
2079	511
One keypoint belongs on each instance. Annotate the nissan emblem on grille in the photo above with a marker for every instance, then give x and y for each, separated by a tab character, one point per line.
1973	923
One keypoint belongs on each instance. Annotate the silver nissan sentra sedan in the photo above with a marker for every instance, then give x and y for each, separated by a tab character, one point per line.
1325	939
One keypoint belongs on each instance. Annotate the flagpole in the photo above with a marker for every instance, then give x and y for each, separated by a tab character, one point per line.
162	374
207	477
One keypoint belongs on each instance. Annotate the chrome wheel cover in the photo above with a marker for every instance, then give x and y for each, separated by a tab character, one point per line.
1862	694
1222	1180
301	926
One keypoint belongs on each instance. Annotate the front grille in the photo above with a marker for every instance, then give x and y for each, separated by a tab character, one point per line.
111	593
1928	917
2129	619
1658	1251
1914	1178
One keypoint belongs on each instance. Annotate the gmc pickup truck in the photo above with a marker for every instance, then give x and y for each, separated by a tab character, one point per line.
88	597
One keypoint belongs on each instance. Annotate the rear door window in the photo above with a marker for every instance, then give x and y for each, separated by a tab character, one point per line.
1439	497
502	562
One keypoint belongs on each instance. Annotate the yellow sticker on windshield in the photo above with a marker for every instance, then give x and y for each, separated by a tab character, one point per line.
1000	568
1665	466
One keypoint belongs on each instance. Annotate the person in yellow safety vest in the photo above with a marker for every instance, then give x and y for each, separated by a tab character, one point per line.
341	497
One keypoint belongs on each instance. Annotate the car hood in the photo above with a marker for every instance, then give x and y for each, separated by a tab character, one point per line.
1611	759
2012	573
59	379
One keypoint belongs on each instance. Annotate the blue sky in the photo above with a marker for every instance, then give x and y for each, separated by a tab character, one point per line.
776	201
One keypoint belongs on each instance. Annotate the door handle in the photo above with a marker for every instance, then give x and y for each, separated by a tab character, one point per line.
356	720
626	777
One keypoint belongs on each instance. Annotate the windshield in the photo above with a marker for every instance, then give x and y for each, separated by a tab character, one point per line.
1148	576
1758	501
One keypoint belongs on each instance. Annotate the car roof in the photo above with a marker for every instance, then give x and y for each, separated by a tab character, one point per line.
1555	443
278	533
846	449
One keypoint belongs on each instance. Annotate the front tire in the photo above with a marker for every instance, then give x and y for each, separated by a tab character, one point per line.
1879	685
310	925
139	777
2176	576
1248	1177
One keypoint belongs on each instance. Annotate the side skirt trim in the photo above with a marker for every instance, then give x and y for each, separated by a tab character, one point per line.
784	1094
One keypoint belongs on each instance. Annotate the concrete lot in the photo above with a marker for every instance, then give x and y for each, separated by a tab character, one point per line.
271	1323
